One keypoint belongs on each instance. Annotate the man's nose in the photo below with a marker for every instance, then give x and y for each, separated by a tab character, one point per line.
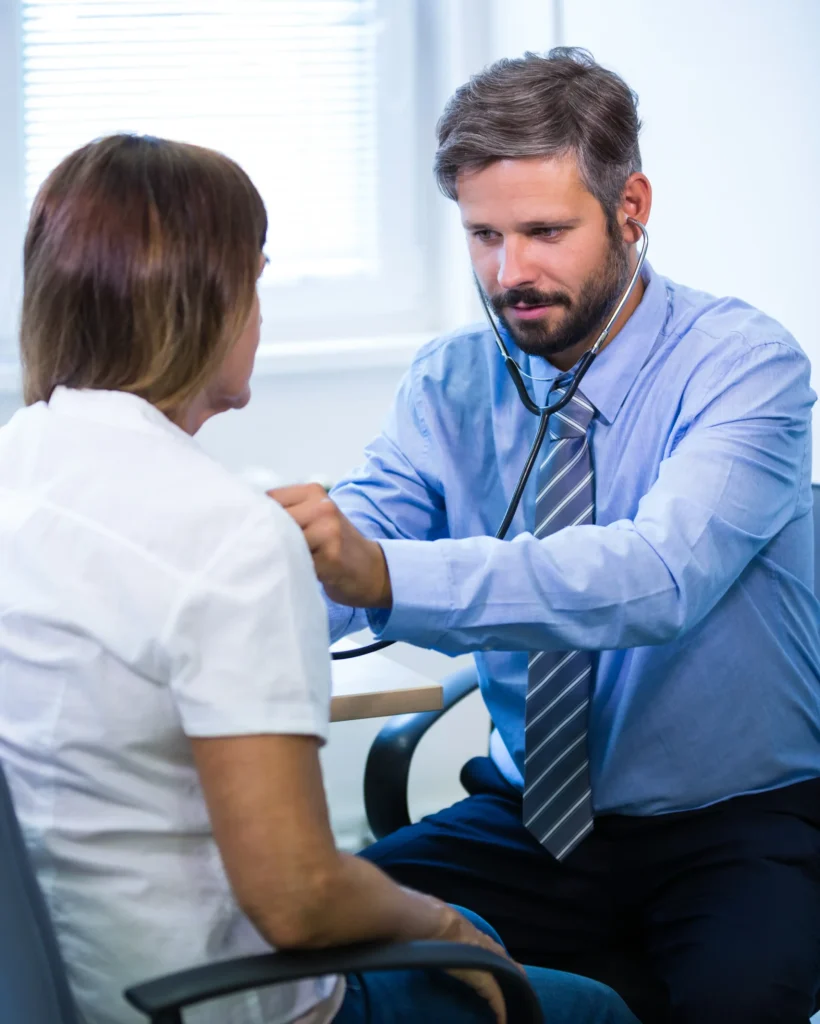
516	269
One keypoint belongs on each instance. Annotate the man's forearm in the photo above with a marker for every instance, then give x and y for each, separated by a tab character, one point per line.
475	594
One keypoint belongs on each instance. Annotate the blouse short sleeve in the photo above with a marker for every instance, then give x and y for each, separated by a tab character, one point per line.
248	638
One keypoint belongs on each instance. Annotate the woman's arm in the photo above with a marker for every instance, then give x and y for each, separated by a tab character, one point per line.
267	806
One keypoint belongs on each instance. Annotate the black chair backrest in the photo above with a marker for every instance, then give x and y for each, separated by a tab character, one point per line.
815	489
33	983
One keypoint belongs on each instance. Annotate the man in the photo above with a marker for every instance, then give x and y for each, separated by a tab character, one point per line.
647	639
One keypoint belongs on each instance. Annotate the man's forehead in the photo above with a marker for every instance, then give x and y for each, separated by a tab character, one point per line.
548	183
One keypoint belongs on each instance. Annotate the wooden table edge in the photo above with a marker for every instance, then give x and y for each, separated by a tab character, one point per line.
348	707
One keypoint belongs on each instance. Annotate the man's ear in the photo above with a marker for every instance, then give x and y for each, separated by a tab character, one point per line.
636	202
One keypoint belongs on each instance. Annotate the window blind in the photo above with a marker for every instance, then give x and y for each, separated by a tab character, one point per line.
288	88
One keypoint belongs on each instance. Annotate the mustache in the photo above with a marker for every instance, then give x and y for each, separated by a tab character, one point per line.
528	297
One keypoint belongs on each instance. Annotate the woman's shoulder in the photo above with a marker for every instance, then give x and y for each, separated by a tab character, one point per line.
193	508
133	487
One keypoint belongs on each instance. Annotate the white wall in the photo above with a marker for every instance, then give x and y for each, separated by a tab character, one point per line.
729	94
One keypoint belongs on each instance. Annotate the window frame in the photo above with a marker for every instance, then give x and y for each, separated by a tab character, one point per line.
396	301
12	187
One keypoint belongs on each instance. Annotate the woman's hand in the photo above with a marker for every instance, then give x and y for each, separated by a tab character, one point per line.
456	928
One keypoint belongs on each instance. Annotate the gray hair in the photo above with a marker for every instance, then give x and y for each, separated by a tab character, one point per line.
545	106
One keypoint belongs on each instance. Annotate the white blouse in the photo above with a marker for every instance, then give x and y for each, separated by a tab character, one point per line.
146	595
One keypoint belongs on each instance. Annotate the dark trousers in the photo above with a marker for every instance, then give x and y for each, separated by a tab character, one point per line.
702	917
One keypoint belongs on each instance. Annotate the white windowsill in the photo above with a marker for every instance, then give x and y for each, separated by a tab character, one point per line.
295	357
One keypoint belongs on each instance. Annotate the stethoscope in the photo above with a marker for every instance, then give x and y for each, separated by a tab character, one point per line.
567	383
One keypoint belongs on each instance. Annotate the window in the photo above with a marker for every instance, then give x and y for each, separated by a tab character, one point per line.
316	99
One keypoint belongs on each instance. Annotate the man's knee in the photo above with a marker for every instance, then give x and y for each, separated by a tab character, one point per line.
570	999
478	922
405	855
749	998
400	851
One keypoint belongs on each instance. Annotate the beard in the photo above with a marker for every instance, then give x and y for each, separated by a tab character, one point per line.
584	316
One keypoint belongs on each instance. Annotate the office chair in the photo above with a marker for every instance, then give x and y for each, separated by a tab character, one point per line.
388	763
34	987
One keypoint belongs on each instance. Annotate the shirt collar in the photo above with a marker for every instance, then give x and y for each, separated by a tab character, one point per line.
613	371
115	408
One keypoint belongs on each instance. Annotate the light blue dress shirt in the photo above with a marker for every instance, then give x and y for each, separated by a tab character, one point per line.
694	584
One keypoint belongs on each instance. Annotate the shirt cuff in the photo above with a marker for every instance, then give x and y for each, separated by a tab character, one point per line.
422	594
503	760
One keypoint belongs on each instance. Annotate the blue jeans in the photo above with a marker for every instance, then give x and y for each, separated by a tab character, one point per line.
407	997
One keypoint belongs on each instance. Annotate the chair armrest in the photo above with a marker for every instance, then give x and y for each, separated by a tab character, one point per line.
162	999
388	763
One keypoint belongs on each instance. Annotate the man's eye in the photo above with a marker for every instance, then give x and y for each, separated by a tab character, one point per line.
484	234
548	232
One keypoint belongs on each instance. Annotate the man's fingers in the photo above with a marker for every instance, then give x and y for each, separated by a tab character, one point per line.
352	569
304	513
298	494
320	522
317	516
324	538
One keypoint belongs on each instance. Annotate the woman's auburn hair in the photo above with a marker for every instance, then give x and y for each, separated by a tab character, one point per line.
140	267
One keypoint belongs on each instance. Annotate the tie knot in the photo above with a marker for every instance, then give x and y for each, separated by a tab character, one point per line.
574	419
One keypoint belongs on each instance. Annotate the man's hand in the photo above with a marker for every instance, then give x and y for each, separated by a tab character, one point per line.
352	568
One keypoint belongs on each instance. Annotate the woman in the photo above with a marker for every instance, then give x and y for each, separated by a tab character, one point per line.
164	677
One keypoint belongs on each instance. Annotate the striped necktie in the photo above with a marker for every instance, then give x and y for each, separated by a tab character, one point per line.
557	796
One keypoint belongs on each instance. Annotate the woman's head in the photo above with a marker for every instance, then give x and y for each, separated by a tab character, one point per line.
140	269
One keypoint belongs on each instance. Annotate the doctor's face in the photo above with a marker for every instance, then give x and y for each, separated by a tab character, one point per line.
541	250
